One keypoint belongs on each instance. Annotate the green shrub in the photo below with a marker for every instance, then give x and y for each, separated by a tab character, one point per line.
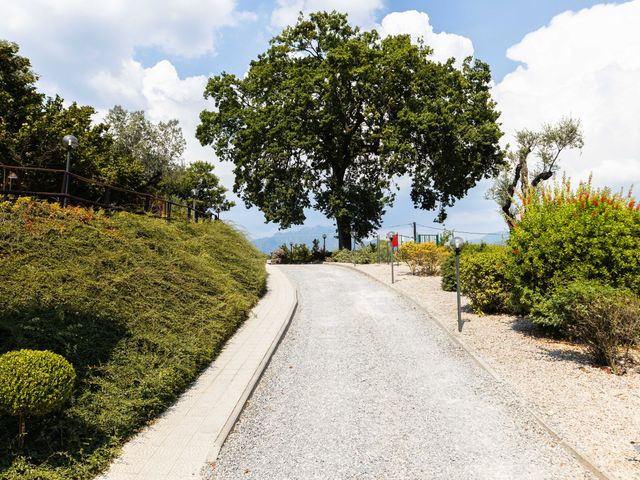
565	235
33	383
448	267
364	255
295	253
606	319
483	278
138	305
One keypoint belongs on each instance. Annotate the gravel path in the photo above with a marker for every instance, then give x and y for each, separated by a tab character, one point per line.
595	411
365	386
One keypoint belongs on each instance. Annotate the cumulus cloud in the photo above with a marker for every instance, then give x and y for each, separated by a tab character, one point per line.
79	38
585	64
361	12
417	25
86	51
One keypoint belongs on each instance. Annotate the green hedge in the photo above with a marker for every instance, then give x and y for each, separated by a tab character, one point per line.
448	267
484	279
138	306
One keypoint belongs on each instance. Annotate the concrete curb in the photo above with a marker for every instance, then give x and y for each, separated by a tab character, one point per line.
580	457
260	368
190	433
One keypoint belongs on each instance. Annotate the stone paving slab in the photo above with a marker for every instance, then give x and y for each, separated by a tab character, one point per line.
190	433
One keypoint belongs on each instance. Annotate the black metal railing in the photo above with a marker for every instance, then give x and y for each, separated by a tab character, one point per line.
18	181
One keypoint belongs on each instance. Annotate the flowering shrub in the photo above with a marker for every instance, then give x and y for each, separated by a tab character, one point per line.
565	235
424	258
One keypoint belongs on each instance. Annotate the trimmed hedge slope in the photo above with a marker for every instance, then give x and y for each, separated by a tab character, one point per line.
139	306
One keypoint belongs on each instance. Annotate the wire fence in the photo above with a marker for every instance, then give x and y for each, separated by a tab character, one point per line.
70	188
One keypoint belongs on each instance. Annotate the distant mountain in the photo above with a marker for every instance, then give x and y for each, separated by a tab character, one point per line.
302	235
493	238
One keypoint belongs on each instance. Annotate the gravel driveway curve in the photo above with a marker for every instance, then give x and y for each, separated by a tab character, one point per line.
364	385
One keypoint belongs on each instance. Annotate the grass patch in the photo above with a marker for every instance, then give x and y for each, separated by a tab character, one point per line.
139	306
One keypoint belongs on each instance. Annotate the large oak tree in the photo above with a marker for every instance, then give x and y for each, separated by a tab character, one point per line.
329	117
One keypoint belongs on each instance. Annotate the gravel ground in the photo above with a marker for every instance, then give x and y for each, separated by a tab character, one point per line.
365	385
595	411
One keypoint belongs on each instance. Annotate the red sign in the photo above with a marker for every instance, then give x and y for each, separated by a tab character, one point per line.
394	240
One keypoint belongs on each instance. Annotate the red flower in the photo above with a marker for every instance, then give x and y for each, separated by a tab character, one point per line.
515	251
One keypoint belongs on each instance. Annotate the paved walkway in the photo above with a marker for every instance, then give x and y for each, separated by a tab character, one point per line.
191	432
364	385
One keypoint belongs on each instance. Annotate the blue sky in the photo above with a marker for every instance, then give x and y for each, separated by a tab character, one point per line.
550	58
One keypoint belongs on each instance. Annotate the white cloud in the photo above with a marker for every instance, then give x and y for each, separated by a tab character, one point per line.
361	12
69	41
86	50
585	64
417	25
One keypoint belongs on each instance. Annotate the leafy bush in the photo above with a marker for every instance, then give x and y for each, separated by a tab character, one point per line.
296	253
483	278
565	235
364	255
448	267
424	258
33	383
605	318
138	305
279	255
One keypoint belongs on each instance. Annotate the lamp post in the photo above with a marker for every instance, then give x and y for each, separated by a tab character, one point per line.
12	177
390	236
70	142
353	247
457	243
324	243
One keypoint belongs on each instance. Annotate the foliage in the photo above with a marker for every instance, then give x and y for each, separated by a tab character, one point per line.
138	305
34	382
605	318
547	145
18	95
200	183
295	253
278	256
364	255
329	115
484	279
155	148
38	143
424	258
565	235
448	267
127	150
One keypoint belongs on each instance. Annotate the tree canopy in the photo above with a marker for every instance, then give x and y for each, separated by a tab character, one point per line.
198	182
329	117
546	144
156	148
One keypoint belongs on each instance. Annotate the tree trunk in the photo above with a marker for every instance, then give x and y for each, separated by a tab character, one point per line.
344	232
22	431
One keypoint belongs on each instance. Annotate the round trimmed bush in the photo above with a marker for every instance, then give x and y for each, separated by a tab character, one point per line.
34	382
